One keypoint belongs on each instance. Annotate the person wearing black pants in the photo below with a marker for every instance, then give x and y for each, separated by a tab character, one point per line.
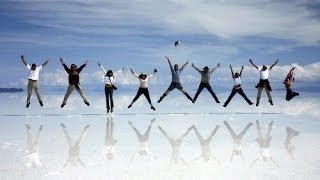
205	78
237	87
287	84
143	89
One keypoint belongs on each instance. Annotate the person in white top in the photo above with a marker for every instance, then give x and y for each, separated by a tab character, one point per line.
264	82
206	154
264	143
237	87
287	84
143	88
33	148
288	144
237	138
205	78
109	80
33	80
109	140
143	140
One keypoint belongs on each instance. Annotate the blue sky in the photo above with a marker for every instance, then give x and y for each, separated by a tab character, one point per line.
140	33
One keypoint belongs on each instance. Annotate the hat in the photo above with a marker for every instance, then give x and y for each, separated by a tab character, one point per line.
206	68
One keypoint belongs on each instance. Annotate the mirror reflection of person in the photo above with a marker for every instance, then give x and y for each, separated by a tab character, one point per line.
264	143
74	146
109	140
206	154
176	145
33	159
143	150
288	144
237	138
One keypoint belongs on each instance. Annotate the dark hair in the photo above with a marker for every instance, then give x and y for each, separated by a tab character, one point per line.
264	67
108	72
206	68
236	74
73	65
141	75
33	65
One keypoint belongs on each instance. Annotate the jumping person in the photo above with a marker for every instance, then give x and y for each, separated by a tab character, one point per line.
176	145
237	138
109	140
74	146
237	87
287	84
175	72
109	79
205	78
264	143
33	148
288	144
205	145
143	88
143	140
33	80
73	81
264	82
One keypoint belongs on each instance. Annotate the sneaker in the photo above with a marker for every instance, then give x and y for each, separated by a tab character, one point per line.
153	108
28	104
87	103
160	100
218	101
108	110
271	102
193	101
111	110
129	106
62	105
41	104
257	104
224	105
250	103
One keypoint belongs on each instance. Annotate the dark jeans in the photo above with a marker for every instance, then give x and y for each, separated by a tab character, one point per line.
143	91
234	92
109	96
290	94
205	85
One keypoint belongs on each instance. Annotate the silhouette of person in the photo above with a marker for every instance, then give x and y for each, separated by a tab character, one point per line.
237	138
205	145
74	146
176	145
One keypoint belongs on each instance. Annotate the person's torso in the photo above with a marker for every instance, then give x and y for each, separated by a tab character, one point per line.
144	82
237	82
34	74
109	80
74	77
264	74
176	76
205	77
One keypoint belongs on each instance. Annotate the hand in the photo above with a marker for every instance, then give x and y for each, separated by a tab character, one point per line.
22	57
187	62
218	65
155	70
250	60
192	65
230	65
86	61
99	63
242	67
277	60
122	69
61	60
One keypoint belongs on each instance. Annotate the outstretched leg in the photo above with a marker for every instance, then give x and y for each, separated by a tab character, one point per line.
244	131
212	134
233	92
200	138
259	95
36	90
171	141
68	93
198	92
79	90
212	93
240	91
170	88
29	141
84	131
139	135
147	95
38	135
233	134
180	88
147	133
269	130
68	137
139	93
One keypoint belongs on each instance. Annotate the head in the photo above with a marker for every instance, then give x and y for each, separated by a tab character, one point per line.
236	75
109	73
264	67
206	69
237	152
109	156
176	67
143	153
73	67
33	66
142	76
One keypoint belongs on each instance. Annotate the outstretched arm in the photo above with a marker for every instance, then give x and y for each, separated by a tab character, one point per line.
187	132
120	70
183	66
241	70
136	75
154	72
254	162
45	63
231	71
192	65
213	69
82	66
291	74
254	65
276	62
24	61
165	134
102	67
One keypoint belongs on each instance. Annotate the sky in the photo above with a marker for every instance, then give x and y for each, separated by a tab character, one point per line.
139	33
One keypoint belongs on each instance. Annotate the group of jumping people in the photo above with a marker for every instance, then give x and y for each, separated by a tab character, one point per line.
109	81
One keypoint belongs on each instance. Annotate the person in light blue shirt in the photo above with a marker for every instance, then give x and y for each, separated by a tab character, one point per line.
175	72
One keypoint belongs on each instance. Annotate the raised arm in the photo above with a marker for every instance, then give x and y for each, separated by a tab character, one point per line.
192	65
169	62
136	75
23	60
254	65
82	66
64	65
45	63
276	62
183	66
102	67
187	132
213	69
231	71
154	72
241	70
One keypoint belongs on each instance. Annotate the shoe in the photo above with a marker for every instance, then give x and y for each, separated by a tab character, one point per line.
28	104
250	103
218	101
224	105
87	103
193	101
257	104
62	105
153	108
41	104
160	100
111	110
129	106
108	110
271	102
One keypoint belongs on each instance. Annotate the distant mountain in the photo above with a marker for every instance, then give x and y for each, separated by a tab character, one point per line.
10	90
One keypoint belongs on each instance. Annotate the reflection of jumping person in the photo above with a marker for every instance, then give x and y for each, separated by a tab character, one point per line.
73	81
143	89
264	82
109	140
33	80
33	148
264	143
74	147
175	145
175	72
237	87
143	140
237	138
205	78
205	145
109	79
288	144
287	84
